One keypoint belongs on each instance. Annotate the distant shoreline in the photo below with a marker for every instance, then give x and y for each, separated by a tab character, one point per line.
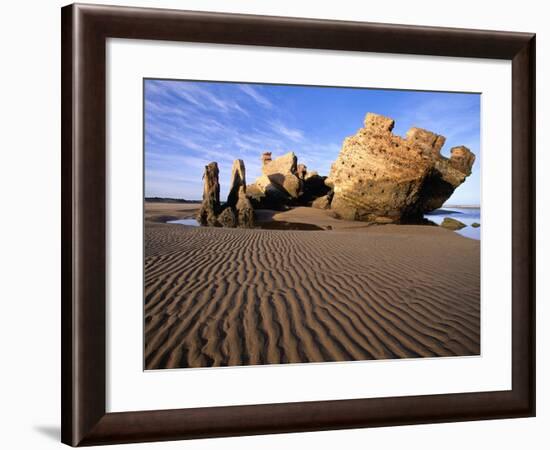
169	200
183	200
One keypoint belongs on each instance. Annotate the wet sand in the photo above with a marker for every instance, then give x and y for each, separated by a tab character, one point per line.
219	297
163	212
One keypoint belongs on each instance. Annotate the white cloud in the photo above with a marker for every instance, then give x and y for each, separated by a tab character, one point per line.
198	95
254	94
290	133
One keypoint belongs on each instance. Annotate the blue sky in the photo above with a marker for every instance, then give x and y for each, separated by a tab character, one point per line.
189	124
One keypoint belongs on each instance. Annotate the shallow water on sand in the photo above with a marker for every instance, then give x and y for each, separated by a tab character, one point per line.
189	222
273	225
465	215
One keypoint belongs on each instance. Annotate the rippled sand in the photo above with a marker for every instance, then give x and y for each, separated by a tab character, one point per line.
218	297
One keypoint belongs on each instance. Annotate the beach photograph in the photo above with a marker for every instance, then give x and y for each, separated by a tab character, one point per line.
308	224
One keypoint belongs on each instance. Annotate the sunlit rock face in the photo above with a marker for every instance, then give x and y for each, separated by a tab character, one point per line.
237	183
237	200
279	184
283	172
210	206
381	177
285	183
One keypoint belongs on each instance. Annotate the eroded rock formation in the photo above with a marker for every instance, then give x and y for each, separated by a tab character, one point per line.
266	158
384	178
285	183
237	200
245	212
278	185
237	183
283	173
227	218
237	211
378	177
210	206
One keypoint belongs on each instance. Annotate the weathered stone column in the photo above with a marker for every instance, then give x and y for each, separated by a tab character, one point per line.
210	196
266	158
237	199
238	181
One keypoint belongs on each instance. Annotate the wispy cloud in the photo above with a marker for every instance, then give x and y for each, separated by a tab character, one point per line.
194	94
254	94
290	133
190	124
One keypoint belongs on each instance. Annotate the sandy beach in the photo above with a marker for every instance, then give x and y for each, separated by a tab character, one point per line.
219	297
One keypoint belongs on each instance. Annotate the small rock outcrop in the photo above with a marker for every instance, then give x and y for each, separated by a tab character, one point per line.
227	218
475	225
452	224
283	173
384	178
237	211
245	213
266	158
237	199
210	207
279	184
285	183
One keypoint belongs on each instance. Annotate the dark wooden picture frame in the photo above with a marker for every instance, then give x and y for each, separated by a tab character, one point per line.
85	29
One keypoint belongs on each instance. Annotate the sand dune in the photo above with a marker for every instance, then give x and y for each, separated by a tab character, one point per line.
218	297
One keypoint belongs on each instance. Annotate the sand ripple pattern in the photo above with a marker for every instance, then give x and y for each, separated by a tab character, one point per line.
224	297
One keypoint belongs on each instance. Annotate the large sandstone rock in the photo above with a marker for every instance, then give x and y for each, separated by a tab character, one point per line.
381	177
210	206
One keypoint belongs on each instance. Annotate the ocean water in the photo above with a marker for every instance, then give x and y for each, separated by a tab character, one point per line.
465	215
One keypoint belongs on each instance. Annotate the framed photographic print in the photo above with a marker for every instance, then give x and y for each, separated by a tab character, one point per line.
278	224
